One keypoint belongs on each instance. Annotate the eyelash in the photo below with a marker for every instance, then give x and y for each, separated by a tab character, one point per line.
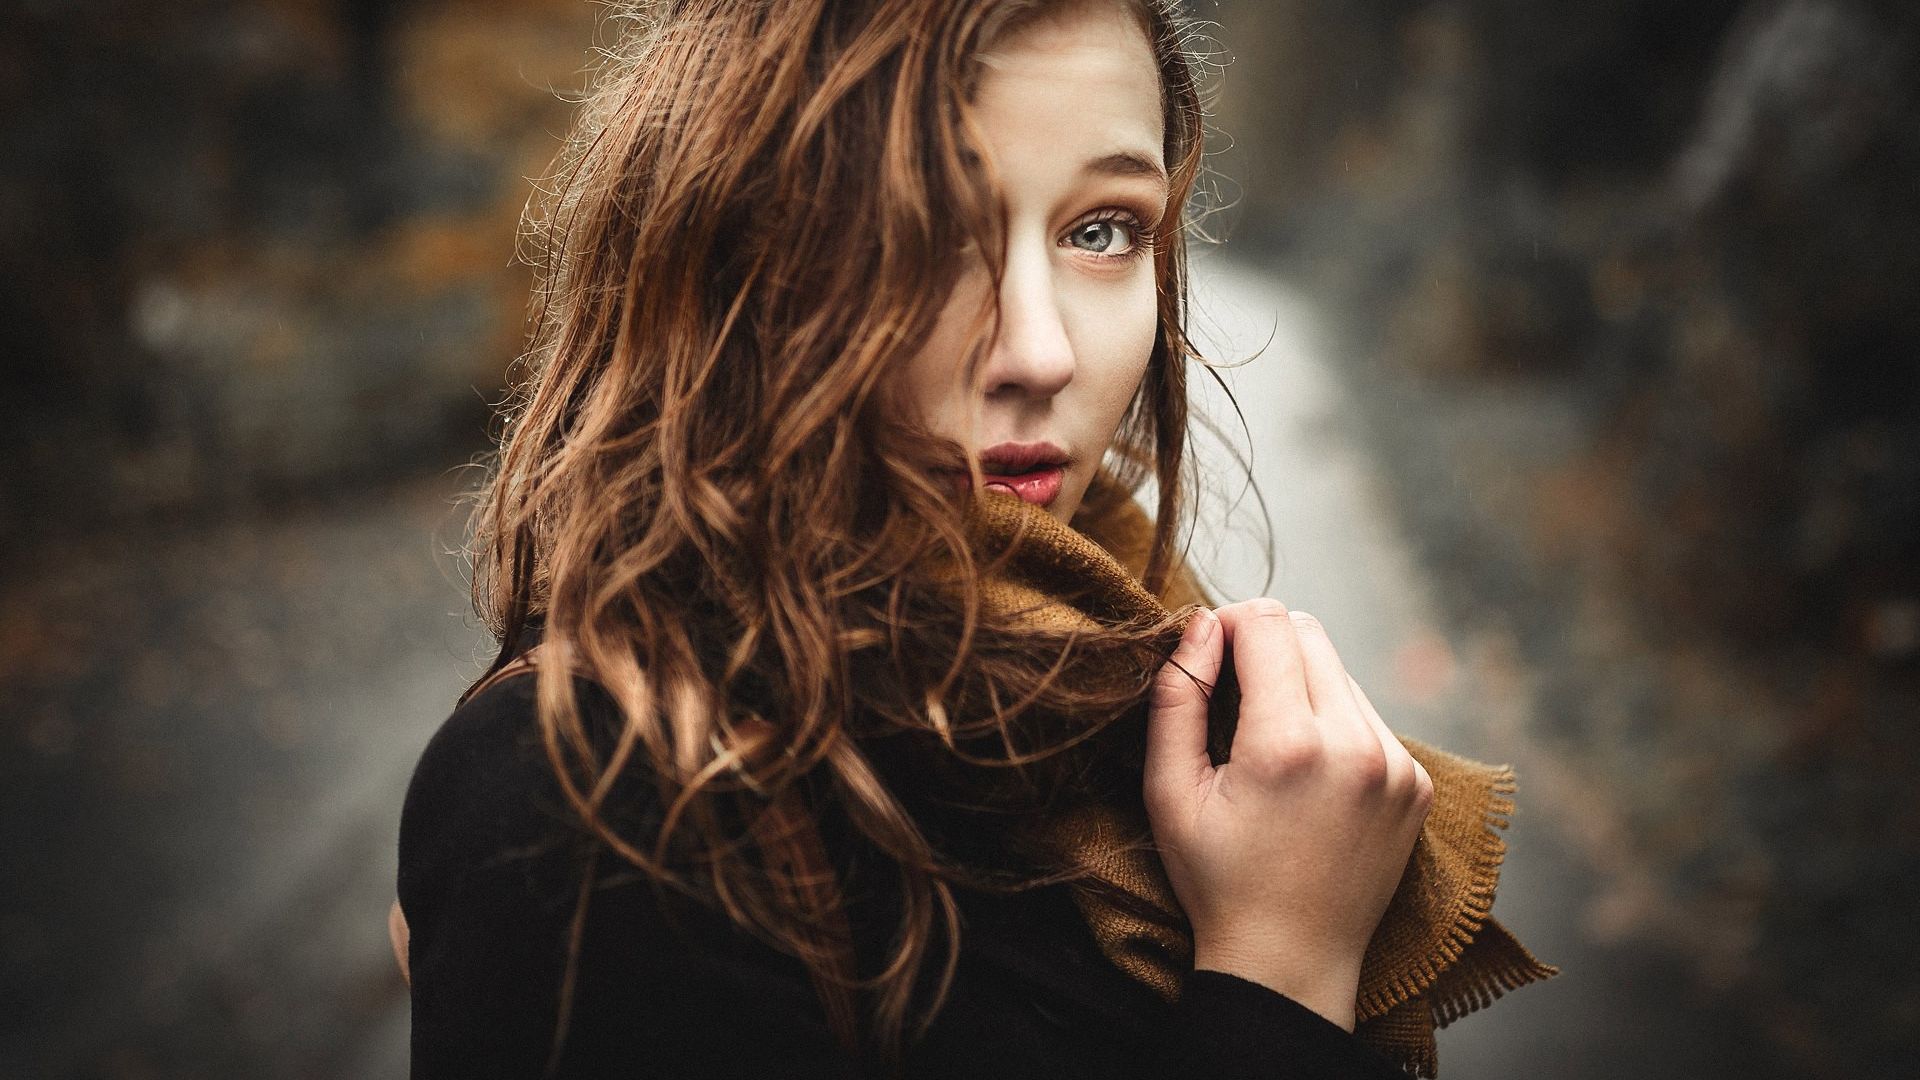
1144	236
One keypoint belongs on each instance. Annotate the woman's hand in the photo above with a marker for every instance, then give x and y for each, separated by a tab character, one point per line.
398	934
1285	857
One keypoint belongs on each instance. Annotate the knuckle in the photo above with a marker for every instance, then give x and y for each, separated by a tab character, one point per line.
1265	607
1422	787
1170	684
1290	754
1176	681
1368	767
1401	761
1305	621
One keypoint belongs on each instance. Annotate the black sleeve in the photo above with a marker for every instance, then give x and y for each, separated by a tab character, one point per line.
1229	1028
490	879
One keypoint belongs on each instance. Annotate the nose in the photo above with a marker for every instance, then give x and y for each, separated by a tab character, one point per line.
1032	356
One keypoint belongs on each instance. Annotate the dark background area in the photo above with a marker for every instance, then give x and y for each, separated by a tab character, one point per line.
1626	295
1631	299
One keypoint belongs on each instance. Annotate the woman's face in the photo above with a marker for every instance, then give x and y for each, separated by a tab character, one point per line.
1069	108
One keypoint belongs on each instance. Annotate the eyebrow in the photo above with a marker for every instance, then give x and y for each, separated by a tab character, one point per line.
1127	163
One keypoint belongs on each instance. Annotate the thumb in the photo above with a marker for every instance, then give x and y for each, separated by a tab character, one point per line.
1177	711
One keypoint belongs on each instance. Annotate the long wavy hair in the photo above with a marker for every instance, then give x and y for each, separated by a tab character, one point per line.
707	499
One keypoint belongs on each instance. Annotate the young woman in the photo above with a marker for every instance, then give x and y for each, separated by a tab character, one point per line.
824	279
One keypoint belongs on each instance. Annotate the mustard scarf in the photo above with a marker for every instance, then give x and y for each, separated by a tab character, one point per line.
1437	953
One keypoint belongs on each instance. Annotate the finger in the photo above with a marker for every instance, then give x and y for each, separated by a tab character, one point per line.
1372	715
1399	759
1177	720
1328	684
1266	657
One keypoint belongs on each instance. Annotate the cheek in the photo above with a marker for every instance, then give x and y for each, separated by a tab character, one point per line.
931	385
1122	334
915	395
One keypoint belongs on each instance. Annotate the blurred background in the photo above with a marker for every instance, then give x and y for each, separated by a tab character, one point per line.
1586	413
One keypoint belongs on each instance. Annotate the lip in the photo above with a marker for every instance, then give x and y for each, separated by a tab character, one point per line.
1012	457
1032	472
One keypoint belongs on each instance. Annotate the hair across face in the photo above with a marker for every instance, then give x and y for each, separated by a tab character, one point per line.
1068	109
797	258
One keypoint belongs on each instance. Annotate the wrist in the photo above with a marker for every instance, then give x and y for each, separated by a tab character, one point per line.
1328	988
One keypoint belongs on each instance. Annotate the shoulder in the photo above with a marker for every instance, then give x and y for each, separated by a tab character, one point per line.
493	735
486	753
492	740
484	795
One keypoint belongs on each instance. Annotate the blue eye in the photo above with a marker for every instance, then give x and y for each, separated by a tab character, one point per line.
1112	235
1101	236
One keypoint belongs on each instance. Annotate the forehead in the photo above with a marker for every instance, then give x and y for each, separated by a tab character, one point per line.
1084	73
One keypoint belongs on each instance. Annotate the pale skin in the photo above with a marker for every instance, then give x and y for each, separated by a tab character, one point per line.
1284	858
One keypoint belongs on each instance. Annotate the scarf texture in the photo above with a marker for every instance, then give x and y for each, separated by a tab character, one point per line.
1437	953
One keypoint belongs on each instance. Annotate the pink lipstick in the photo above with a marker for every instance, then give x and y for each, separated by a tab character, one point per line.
1039	487
1032	472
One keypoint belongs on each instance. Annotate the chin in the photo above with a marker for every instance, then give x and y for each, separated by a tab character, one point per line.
1067	503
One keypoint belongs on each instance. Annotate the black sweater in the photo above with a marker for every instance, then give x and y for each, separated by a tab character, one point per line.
489	880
